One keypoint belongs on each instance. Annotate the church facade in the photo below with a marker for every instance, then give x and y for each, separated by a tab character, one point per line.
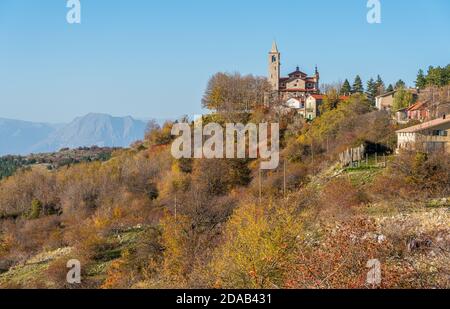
296	91
296	85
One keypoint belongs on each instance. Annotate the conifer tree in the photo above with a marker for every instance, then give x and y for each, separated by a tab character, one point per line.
390	88
358	85
379	86
400	85
421	81
371	90
346	88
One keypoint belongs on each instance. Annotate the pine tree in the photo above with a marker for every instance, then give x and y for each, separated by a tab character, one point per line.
390	88
379	86
358	85
346	88
400	85
421	81
371	90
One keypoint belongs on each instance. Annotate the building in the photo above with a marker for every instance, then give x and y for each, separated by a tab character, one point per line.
419	111
385	102
429	136
308	107
296	85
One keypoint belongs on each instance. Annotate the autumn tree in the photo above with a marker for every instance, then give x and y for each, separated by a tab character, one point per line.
234	92
156	135
330	100
402	99
258	248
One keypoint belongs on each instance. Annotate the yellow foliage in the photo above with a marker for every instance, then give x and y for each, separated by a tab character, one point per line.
258	247
175	240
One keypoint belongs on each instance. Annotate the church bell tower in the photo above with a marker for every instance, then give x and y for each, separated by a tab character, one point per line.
274	68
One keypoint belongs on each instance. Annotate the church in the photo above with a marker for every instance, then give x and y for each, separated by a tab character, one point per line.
296	91
296	84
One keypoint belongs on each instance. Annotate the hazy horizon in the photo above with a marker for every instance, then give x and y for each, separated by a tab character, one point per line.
154	59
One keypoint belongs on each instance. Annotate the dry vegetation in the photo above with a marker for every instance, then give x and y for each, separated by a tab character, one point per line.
145	220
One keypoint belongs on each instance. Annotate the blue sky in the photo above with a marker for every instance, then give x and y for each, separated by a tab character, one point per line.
153	58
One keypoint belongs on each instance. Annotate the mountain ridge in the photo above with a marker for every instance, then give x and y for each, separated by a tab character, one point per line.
20	137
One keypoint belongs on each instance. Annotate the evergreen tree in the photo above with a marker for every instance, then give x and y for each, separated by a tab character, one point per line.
346	88
390	88
438	76
400	85
379	86
371	90
358	85
421	81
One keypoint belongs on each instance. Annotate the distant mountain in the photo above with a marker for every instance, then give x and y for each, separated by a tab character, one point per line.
19	137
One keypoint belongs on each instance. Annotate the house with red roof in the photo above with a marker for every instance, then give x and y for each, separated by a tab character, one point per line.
419	111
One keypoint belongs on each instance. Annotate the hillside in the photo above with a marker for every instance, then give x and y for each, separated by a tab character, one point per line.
10	164
143	219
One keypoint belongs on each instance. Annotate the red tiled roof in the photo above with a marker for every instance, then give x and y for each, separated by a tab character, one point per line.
297	90
321	96
417	106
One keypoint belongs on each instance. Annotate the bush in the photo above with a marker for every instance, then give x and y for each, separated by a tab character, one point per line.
36	208
415	176
258	247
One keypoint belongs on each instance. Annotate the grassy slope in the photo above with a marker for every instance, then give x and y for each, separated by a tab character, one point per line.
425	218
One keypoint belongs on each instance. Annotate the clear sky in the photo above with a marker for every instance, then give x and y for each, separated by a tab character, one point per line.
153	58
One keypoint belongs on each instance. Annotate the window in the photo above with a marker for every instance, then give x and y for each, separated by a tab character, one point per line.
439	133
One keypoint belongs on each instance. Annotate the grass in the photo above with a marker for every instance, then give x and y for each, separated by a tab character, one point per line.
37	266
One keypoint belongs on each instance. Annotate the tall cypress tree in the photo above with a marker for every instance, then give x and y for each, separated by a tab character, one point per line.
390	88
358	85
346	88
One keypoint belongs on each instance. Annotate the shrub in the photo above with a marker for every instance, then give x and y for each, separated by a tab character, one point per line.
36	208
258	247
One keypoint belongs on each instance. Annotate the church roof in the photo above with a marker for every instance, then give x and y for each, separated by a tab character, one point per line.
274	47
297	72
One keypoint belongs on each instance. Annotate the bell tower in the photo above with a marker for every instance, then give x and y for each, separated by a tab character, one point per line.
274	68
